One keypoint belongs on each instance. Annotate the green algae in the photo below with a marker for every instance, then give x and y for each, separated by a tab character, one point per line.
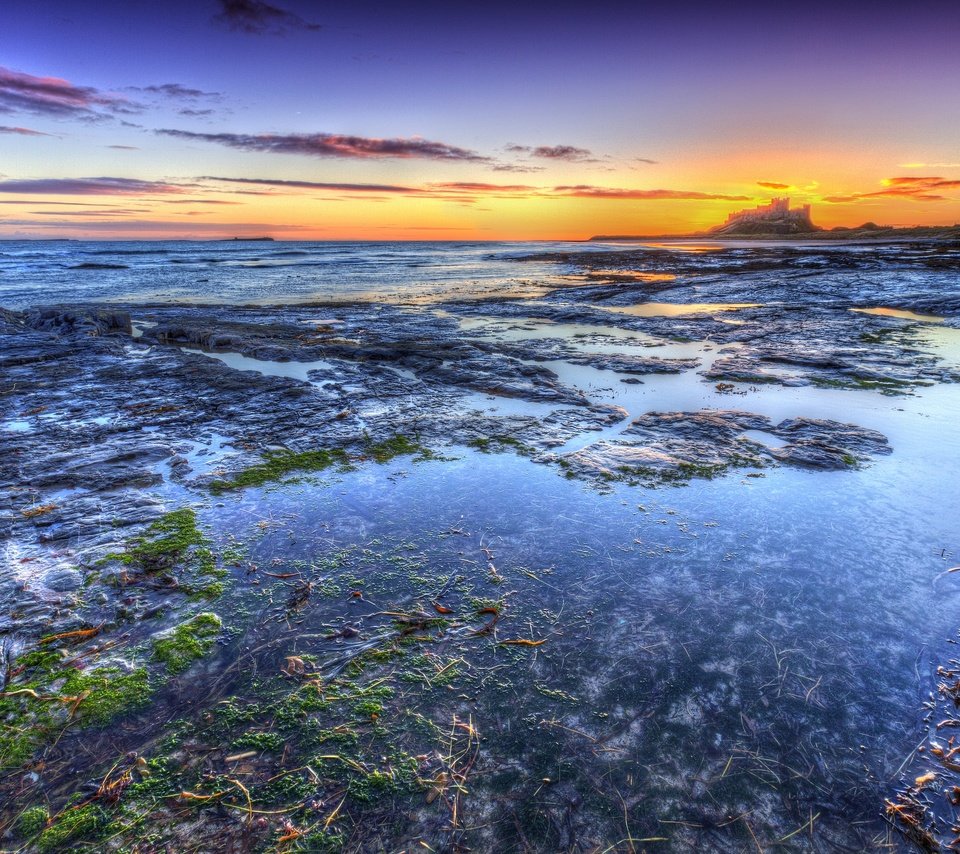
109	692
886	386
499	443
260	741
175	546
46	698
277	464
189	642
71	825
396	446
32	820
172	539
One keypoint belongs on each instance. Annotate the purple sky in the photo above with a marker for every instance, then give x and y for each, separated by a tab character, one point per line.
656	107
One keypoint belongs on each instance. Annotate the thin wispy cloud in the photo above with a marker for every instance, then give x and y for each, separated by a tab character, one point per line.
568	153
89	186
104	212
929	165
198	202
177	91
516	167
314	185
38	202
482	188
915	188
471	191
773	185
52	96
584	191
22	131
164	227
333	145
256	17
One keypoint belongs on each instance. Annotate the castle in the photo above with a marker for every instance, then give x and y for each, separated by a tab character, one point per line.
773	218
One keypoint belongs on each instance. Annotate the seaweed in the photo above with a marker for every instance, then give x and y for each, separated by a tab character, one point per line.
277	464
188	642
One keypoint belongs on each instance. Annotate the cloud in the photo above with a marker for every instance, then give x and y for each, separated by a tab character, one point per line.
124	147
516	167
198	202
314	185
22	131
912	181
482	188
88	186
59	204
51	96
187	111
470	191
916	188
257	18
333	145
773	185
167	228
569	153
584	191
929	165
105	212
177	90
645	160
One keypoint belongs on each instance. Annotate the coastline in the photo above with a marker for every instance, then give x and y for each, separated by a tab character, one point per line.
853	235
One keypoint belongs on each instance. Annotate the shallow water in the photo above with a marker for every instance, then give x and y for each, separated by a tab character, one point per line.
733	624
295	370
669	309
903	314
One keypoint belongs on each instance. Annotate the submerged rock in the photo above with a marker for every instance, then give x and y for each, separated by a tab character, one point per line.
62	580
674	446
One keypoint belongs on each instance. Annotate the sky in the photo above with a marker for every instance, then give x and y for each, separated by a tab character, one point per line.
471	121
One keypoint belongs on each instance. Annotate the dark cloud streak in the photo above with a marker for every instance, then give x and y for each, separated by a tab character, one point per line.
314	185
177	90
51	96
102	186
583	191
256	17
22	131
333	145
569	153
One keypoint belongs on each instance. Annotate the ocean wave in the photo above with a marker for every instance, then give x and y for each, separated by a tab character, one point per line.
90	265
127	252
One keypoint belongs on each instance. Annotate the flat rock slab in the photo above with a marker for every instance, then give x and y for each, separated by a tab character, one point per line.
671	446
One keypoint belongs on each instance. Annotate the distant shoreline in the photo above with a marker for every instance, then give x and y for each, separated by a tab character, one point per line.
860	235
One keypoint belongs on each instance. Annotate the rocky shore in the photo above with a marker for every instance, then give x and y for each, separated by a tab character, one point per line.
120	421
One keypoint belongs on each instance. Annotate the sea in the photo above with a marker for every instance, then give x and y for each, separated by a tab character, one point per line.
269	272
242	271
